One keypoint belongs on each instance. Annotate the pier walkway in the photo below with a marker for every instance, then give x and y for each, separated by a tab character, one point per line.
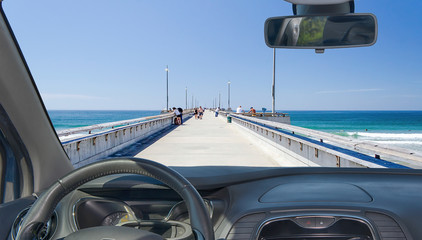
208	142
248	141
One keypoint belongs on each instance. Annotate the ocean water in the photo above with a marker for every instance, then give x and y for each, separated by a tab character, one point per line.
392	128
65	119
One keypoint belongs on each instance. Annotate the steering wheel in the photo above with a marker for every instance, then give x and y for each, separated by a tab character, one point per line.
43	208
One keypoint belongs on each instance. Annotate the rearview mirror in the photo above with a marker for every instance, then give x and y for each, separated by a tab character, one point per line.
320	32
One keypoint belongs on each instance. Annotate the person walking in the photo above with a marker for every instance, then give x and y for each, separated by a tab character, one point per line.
181	115
217	110
195	111
201	112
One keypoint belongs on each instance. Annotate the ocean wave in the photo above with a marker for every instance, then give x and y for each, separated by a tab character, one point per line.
72	136
386	136
400	142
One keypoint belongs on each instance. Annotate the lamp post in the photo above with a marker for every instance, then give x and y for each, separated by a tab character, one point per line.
167	84
219	100
228	99
186	97
273	88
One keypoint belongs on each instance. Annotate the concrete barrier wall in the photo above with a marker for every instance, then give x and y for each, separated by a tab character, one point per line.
291	148
84	150
295	146
109	125
398	155
283	119
274	117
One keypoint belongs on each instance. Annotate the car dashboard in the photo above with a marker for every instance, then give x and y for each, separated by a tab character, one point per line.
269	204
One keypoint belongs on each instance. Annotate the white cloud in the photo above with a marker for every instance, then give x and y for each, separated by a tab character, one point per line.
56	96
350	91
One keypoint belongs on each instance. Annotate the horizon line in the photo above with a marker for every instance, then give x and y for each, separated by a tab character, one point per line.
378	110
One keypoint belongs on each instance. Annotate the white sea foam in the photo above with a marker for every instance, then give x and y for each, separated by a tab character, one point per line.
72	136
400	142
387	136
409	141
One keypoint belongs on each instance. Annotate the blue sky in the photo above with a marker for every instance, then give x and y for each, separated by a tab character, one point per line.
112	55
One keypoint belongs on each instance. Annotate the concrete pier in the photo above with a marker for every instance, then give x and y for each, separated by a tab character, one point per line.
247	141
207	142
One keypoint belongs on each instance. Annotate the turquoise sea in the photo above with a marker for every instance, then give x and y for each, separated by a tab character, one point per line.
394	128
65	119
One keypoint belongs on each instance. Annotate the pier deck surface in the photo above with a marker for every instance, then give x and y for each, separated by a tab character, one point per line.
207	142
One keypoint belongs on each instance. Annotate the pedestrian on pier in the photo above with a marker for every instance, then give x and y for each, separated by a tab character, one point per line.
177	118
195	111
217	110
253	111
201	112
239	109
181	115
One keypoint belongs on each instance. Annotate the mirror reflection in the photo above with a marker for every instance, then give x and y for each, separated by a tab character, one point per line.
321	31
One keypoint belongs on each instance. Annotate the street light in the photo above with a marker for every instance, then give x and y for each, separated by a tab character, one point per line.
228	105
167	73
186	97
273	88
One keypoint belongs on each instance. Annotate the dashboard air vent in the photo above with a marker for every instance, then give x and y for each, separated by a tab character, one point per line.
316	228
244	228
46	232
386	226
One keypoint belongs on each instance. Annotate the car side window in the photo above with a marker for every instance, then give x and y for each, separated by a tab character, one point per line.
14	161
9	172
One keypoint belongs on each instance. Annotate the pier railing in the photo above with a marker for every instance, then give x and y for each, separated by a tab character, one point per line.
274	117
266	114
102	126
325	149
97	144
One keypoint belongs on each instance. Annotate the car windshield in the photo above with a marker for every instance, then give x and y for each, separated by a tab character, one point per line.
116	77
